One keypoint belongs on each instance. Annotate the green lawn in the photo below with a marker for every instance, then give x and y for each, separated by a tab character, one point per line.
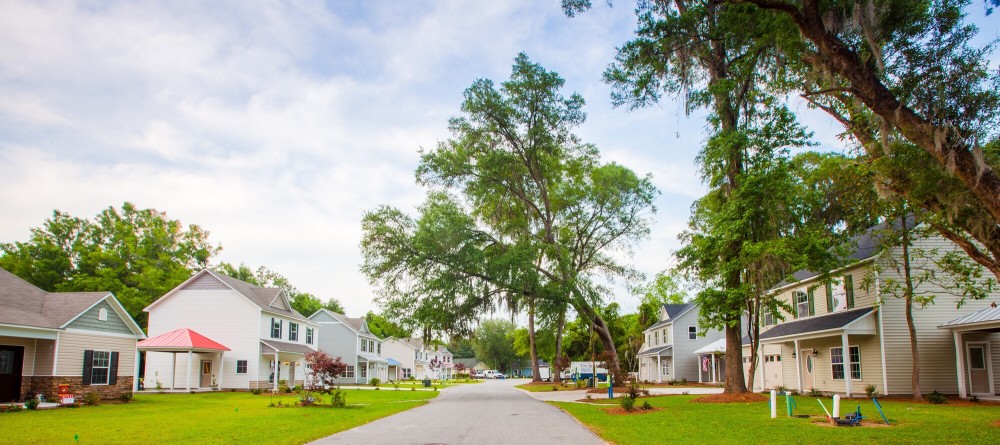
680	420
224	417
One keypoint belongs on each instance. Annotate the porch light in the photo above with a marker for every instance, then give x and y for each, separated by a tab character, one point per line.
815	352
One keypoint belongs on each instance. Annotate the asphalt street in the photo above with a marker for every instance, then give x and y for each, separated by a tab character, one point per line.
492	412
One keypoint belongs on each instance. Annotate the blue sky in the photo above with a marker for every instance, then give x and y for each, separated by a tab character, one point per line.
275	125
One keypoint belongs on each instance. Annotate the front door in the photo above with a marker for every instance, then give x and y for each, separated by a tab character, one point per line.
206	373
808	369
979	377
10	372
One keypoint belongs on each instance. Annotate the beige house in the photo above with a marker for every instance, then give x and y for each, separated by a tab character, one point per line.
842	336
82	339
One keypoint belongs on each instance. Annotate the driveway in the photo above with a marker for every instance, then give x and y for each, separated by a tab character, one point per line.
492	412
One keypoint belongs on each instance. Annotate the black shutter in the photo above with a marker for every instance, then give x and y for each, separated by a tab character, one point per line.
812	303
113	371
849	287
829	297
281	328
88	366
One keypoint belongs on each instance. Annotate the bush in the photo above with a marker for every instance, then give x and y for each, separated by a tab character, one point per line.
255	391
12	408
338	399
374	381
646	406
813	392
632	389
297	388
780	389
627	403
92	399
126	397
936	398
974	399
31	403
871	390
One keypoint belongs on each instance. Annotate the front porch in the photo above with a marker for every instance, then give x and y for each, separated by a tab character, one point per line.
974	356
656	363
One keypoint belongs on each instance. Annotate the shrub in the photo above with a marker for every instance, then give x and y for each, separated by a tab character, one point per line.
413	388
297	388
395	385
936	398
555	388
684	381
627	403
813	392
646	406
31	403
126	397
780	389
374	381
92	399
338	399
579	384
255	391
871	390
12	408
974	399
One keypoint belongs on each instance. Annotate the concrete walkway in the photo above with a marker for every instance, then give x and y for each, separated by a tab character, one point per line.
492	412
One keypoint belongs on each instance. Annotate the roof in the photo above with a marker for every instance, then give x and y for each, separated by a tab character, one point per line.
359	325
659	350
835	320
415	343
371	357
181	340
715	346
24	304
272	346
392	362
866	245
673	311
989	315
260	296
468	362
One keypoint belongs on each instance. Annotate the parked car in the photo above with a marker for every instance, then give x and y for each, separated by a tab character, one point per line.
478	374
493	374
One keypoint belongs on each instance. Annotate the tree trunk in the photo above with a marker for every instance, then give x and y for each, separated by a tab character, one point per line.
535	375
908	296
734	360
754	333
607	342
557	360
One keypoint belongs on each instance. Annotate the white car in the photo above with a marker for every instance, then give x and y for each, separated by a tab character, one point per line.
493	374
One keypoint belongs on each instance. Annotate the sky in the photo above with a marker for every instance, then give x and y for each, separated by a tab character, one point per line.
276	125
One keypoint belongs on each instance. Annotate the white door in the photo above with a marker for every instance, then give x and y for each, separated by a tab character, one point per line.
808	369
978	364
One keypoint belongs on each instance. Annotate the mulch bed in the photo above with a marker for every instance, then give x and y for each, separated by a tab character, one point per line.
864	423
619	411
996	423
748	397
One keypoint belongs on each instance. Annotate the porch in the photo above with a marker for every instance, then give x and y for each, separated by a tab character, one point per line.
712	362
656	363
974	356
188	342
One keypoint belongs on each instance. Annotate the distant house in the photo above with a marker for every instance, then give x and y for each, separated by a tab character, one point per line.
441	364
668	350
470	364
216	331
842	336
349	338
414	360
83	339
523	369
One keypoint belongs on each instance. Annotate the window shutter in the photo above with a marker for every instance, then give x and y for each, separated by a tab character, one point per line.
795	304
113	371
829	297
849	287
812	302
88	366
281	328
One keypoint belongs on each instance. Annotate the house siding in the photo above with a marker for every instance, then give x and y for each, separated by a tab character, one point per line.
73	344
405	355
90	321
338	340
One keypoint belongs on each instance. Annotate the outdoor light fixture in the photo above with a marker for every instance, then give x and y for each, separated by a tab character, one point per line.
815	352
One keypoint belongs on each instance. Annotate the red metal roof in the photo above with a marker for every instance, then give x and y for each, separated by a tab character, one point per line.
181	339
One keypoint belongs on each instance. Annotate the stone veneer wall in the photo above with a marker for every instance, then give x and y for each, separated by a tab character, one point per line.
50	387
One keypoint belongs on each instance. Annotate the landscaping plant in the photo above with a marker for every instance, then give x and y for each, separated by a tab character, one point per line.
92	399
627	403
871	390
31	403
936	398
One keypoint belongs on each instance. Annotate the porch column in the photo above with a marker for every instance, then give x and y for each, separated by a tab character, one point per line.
959	363
277	373
847	363
700	371
658	369
715	376
173	369
190	359
135	373
798	366
222	364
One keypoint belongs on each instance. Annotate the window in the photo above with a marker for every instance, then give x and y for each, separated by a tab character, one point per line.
665	338
692	332
801	304
349	372
102	314
407	372
977	358
293	331
656	338
768	318
275	328
849	291
364	345
665	367
371	345
241	366
309	336
100	368
837	362
363	371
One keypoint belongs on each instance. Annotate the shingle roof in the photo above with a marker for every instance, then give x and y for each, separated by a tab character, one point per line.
468	362
659	350
673	311
815	324
21	303
356	324
985	315
261	296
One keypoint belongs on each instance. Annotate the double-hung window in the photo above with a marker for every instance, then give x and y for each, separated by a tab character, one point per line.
364	345
853	361
801	304
692	332
371	345
656	338
348	372
241	366
309	336
100	368
293	331
276	328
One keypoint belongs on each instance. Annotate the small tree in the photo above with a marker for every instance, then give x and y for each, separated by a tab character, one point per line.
323	369
460	368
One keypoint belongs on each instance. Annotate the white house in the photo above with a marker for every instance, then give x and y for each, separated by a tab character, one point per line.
441	364
668	350
410	353
349	338
259	340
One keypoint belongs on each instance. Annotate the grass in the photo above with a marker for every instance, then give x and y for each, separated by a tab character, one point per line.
678	417
230	417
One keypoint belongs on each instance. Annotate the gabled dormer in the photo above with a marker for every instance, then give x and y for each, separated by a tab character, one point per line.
280	301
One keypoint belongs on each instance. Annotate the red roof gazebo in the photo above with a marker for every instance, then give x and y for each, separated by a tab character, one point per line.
183	340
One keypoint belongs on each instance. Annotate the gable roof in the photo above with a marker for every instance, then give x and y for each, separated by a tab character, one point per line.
673	311
263	297
359	325
181	340
24	304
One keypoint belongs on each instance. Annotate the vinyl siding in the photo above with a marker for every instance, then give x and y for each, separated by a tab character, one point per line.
685	364
91	322
338	340
401	353
871	366
218	313
28	364
72	344
44	354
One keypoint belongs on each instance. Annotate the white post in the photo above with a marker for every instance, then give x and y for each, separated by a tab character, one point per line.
701	359
715	377
190	359
173	369
836	406
798	366
959	363
222	365
847	363
774	404
135	373
277	372
659	367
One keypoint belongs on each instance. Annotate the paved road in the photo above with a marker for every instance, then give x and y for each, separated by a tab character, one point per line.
492	412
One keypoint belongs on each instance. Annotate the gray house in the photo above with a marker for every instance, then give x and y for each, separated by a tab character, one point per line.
668	350
349	338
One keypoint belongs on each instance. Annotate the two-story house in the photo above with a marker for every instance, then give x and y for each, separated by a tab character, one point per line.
668	349
441	364
349	338
82	339
216	331
412	357
842	336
